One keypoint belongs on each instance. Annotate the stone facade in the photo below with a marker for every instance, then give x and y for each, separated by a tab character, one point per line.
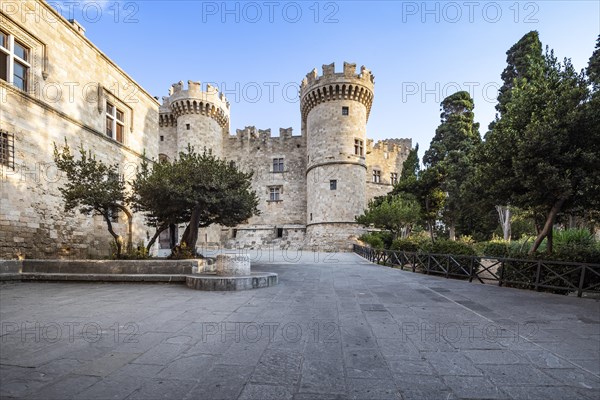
61	100
323	177
310	185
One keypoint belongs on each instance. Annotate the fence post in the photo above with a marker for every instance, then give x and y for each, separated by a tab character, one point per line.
502	268
428	263
448	266
581	281
471	270
537	275
414	263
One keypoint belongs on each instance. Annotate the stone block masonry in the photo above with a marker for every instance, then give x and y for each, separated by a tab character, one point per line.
311	184
61	100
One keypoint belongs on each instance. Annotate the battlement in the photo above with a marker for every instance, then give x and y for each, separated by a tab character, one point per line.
195	100
400	146
197	91
346	85
330	76
251	133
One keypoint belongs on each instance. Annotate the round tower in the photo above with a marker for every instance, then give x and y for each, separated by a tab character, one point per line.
202	117
335	108
197	118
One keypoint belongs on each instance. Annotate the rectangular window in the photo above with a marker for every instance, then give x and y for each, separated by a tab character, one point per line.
109	126
3	66
115	123
394	178
21	51
20	76
359	147
279	232
187	127
162	138
345	110
278	165
333	184
120	133
376	176
7	150
14	61
274	194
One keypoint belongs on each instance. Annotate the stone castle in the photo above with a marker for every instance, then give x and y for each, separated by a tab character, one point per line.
311	185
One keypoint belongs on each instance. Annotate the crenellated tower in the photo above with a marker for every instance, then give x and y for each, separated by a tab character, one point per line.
194	116
335	109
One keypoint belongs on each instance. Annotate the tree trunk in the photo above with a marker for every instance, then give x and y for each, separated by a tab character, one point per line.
190	235
504	215
430	228
452	232
129	227
159	230
116	238
572	222
548	225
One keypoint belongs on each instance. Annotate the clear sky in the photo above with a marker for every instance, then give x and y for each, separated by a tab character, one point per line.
258	52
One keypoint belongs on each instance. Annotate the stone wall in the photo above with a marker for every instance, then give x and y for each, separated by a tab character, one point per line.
64	101
387	156
254	150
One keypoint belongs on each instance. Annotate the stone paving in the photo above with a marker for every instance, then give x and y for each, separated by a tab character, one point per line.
336	327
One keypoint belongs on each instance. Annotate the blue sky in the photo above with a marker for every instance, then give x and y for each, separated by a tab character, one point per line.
258	52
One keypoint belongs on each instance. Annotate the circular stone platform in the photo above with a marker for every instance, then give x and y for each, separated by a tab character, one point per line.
255	280
233	265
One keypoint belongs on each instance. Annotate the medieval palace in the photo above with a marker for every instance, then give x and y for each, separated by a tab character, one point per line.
311	185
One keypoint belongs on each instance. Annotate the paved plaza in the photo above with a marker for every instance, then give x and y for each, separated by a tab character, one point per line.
335	327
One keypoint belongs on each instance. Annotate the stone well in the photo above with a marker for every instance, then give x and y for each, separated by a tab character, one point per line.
231	272
233	265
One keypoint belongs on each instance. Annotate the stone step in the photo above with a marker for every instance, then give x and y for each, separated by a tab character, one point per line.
37	276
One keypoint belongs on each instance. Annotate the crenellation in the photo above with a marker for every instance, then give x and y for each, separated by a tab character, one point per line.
328	70
264	135
285	133
402	146
332	86
349	70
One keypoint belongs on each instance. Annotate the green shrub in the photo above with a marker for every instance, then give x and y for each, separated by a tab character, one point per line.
459	262
495	248
444	246
373	239
581	238
182	252
137	253
386	237
405	245
524	271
